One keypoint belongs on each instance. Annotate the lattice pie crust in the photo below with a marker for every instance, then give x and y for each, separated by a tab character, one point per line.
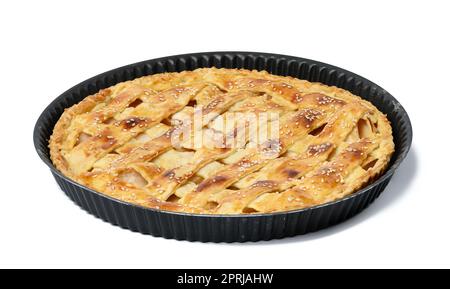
118	142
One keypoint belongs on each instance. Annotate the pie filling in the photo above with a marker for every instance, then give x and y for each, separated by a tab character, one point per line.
222	141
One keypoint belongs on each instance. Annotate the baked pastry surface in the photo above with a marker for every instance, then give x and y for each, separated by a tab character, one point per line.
120	142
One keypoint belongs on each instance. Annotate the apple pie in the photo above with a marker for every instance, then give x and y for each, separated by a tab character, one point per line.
222	141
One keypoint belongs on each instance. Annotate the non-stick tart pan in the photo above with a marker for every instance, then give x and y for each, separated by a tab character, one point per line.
227	228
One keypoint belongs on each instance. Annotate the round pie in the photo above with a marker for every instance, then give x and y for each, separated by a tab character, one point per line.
222	141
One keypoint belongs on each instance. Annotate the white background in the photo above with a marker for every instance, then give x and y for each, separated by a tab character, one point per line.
47	47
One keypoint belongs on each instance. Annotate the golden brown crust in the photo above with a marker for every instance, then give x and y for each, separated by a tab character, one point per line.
119	142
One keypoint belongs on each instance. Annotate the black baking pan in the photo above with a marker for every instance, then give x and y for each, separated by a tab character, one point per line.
227	228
